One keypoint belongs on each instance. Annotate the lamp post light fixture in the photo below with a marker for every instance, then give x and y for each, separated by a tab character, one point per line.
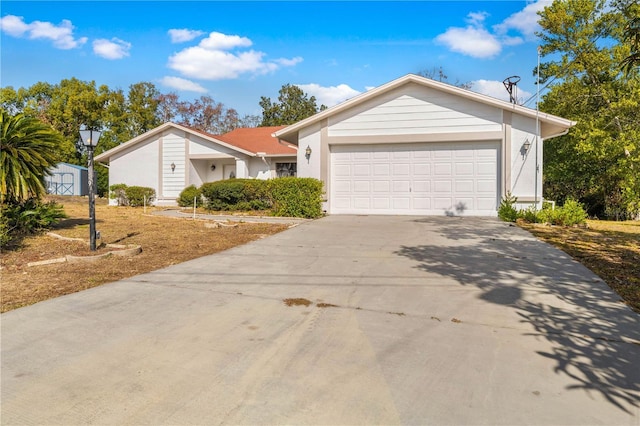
526	145
90	139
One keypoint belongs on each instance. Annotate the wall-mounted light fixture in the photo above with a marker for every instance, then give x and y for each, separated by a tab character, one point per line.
213	167
526	145
307	152
173	167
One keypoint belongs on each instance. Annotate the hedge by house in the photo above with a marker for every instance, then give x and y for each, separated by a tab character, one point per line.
296	197
287	196
235	194
190	193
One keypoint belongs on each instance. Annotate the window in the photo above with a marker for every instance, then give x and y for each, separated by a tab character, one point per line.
286	169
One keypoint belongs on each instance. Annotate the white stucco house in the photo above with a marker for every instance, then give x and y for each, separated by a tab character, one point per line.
418	146
172	157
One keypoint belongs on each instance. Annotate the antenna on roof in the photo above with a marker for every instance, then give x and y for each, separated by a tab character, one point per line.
510	83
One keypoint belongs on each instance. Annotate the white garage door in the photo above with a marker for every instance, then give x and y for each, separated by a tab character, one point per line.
422	179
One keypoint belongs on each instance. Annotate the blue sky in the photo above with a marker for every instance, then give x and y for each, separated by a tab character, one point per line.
238	51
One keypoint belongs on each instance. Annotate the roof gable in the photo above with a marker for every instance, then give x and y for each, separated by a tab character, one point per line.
247	141
290	133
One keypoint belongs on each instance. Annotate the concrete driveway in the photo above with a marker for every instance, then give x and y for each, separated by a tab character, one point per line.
436	321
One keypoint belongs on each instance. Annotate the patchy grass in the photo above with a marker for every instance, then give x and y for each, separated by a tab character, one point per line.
610	249
165	241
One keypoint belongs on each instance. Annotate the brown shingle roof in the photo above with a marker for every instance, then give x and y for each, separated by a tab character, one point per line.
257	139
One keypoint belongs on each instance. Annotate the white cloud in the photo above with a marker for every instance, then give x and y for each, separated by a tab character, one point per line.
13	25
524	21
289	62
219	41
183	35
111	49
331	95
182	84
497	90
476	41
61	35
217	57
471	41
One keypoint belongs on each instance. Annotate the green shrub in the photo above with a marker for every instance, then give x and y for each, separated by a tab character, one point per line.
118	192
139	195
186	197
27	217
570	214
529	215
296	197
235	194
507	211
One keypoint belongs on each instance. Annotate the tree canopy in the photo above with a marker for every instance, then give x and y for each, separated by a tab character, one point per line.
598	162
292	106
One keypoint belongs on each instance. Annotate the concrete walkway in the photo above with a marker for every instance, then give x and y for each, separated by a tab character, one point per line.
411	321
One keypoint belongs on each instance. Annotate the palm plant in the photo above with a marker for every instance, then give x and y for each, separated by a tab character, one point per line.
28	149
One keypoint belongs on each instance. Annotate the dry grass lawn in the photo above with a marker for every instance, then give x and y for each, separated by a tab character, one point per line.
165	241
610	249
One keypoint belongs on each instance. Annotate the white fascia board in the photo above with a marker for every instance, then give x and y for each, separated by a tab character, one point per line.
412	78
105	156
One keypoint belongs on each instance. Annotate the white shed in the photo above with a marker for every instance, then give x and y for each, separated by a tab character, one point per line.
418	146
68	179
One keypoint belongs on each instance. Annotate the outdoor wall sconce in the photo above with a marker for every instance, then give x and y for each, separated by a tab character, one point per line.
526	145
173	167
213	167
307	152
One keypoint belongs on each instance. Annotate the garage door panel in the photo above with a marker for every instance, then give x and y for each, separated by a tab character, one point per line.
380	170
422	203
440	186
342	170
381	186
421	186
464	169
441	203
485	168
422	169
430	178
381	203
362	186
401	203
442	169
466	185
360	170
484	186
401	169
401	186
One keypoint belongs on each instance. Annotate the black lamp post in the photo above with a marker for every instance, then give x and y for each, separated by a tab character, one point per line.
90	140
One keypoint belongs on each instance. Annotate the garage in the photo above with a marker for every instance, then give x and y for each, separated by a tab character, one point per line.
415	146
422	179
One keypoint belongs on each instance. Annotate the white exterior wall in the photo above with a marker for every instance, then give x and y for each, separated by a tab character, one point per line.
414	109
526	179
173	151
309	136
259	170
137	166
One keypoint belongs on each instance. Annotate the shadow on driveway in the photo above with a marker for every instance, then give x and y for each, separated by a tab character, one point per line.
595	339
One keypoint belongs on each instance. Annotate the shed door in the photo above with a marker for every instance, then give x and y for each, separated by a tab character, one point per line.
421	179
